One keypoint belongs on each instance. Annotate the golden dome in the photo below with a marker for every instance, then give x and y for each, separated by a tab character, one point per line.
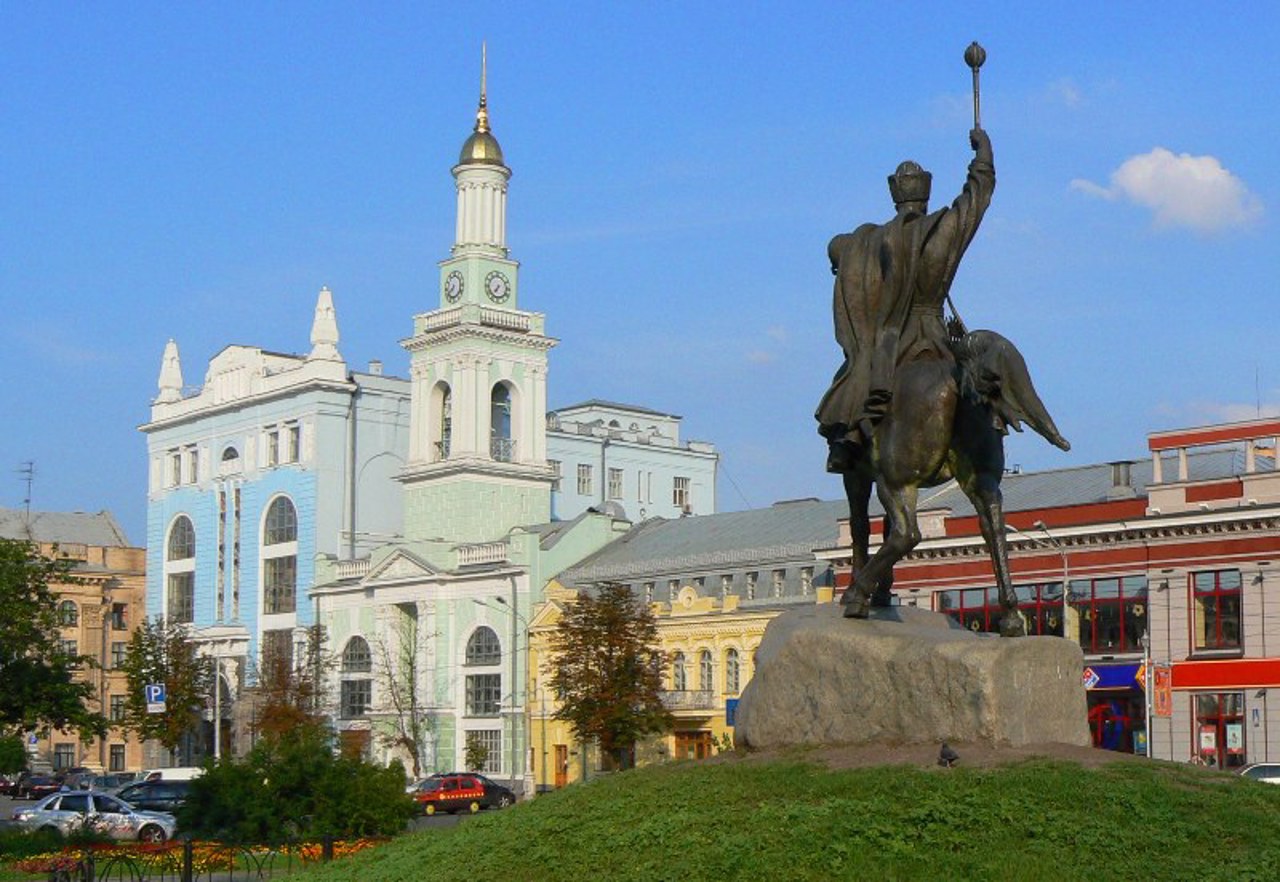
482	147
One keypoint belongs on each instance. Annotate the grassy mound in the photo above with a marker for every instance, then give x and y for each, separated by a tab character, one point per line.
747	819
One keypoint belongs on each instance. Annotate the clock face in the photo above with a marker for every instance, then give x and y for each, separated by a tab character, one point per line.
453	287
497	286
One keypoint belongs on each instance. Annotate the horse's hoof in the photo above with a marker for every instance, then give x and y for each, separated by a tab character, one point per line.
858	608
1012	626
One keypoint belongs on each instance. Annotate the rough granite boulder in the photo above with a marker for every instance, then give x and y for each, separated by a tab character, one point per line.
908	675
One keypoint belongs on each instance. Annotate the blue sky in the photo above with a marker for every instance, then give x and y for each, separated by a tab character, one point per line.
198	172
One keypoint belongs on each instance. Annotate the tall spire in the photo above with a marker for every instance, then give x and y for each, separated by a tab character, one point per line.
324	329
170	375
482	112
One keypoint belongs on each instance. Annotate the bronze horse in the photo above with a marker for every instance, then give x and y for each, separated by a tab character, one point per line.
947	419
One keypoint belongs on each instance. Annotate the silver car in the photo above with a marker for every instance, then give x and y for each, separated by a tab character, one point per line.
70	811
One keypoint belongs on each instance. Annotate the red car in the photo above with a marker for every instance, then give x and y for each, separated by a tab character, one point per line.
455	793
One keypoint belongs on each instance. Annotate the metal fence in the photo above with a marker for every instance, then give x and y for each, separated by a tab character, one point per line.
188	861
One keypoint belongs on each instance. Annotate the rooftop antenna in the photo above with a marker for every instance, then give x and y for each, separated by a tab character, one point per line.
28	473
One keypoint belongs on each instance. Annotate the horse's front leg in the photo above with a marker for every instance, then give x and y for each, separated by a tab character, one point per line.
902	536
984	492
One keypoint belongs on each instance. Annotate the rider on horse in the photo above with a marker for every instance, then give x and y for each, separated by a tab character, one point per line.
891	282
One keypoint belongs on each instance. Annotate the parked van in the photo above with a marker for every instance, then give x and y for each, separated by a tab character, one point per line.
177	773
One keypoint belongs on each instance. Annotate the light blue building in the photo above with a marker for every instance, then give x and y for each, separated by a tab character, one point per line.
273	460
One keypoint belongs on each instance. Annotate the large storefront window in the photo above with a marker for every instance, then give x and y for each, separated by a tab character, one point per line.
1219	729
979	609
1216	605
1112	613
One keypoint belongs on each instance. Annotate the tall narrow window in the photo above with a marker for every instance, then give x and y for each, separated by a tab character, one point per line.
356	689
68	614
557	472
732	672
615	483
584	479
680	493
446	424
679	673
180	571
280	557
292	442
706	671
501	444
1216	598
273	447
779	582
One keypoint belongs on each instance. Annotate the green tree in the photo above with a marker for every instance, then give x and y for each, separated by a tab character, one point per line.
475	754
39	686
163	652
608	671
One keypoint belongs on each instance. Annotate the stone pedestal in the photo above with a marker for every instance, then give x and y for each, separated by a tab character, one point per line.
908	675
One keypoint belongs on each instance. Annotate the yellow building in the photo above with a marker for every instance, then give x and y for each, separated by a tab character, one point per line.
713	584
97	612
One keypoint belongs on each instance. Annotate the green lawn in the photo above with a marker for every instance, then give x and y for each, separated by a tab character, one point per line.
791	820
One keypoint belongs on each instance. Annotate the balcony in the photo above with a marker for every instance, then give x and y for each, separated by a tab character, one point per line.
688	699
482	553
502	449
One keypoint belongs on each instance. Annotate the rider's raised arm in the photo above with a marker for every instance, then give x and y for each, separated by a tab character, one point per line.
959	224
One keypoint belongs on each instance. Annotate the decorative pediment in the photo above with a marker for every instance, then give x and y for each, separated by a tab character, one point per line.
399	566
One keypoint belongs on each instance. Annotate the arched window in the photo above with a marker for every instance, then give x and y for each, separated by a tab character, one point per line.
280	557
282	522
229	462
501	444
182	540
679	674
446	424
732	672
484	648
68	613
706	671
180	571
483	690
356	658
356	690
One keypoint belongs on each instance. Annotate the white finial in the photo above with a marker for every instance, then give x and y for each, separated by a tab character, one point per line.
324	329
170	375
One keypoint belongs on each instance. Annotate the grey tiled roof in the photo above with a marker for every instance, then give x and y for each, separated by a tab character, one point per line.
98	529
794	529
786	530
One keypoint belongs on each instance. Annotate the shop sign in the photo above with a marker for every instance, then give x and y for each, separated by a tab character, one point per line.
730	712
1090	678
1209	740
1162	695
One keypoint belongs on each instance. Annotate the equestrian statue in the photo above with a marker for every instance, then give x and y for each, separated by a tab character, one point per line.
920	400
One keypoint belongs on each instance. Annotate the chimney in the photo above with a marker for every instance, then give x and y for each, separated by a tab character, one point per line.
375	367
1122	481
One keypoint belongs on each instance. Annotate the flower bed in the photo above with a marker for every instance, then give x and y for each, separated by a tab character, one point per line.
205	856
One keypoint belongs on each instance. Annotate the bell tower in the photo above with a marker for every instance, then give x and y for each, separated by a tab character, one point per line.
478	364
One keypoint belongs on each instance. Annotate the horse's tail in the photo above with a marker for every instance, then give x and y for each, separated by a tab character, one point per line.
994	372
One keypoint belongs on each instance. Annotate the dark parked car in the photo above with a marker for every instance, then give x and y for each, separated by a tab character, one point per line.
114	781
38	787
460	792
8	785
156	796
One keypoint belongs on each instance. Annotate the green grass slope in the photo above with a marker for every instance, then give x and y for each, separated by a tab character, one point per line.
790	820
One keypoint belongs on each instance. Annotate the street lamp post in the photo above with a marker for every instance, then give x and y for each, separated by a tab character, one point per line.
1146	690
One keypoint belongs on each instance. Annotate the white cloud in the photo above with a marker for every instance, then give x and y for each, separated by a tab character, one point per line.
759	356
1067	92
777	333
1181	190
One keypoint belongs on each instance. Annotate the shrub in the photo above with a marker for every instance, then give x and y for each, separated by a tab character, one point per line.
295	788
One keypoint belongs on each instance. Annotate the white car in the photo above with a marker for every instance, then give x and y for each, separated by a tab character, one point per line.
1268	773
69	811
